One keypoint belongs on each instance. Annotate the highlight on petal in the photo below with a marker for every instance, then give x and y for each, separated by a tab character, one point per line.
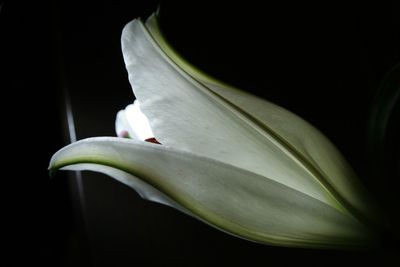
192	112
231	199
133	122
122	127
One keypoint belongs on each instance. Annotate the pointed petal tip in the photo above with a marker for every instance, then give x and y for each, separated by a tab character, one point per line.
52	169
127	28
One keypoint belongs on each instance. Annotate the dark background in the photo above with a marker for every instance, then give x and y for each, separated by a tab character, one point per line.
324	62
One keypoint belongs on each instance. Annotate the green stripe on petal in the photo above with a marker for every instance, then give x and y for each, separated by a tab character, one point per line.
191	111
234	200
312	148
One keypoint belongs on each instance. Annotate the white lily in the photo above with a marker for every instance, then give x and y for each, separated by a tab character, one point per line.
237	162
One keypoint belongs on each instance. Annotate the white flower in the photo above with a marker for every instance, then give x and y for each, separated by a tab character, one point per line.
237	162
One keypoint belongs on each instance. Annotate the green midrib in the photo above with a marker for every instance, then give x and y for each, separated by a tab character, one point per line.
213	219
342	204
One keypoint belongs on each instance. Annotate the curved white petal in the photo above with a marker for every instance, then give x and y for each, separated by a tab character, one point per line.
229	198
186	115
301	138
195	113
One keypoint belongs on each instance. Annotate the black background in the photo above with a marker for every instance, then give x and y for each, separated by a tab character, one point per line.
324	62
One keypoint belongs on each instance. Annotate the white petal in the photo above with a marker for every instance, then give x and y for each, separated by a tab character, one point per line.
122	126
301	138
133	121
189	116
232	199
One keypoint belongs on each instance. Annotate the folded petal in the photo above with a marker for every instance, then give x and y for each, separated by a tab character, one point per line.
195	113
234	200
308	145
